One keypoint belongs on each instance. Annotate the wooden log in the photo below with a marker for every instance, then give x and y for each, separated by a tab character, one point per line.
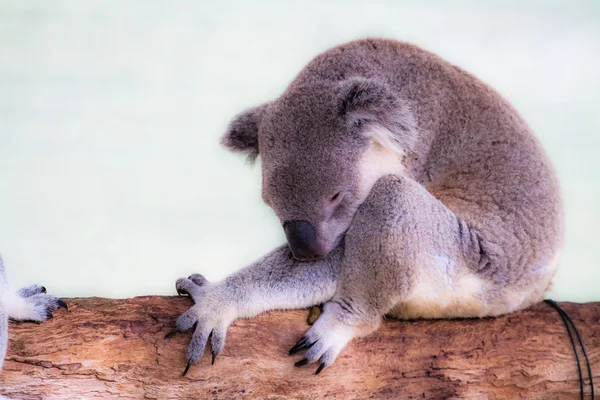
103	349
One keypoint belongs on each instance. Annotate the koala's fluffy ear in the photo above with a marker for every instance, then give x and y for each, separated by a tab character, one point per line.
242	133
371	105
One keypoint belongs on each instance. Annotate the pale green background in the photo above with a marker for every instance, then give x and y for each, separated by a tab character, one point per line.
112	182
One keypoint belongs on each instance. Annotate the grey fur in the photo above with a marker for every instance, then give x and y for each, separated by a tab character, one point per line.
469	223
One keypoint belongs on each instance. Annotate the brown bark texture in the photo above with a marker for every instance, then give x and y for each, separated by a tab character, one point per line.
105	349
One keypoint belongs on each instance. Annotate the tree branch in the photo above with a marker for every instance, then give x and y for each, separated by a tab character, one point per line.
104	349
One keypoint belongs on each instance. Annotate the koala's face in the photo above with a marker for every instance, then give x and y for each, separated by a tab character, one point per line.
310	169
321	150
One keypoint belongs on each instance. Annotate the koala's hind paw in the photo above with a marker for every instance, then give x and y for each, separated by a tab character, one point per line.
210	317
32	304
324	340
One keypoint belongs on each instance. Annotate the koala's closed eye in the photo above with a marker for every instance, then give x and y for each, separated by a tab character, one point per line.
335	199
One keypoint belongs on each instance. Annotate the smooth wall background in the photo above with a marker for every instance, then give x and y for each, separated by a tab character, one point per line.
112	182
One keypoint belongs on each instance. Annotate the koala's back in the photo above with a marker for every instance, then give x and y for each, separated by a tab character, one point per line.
474	153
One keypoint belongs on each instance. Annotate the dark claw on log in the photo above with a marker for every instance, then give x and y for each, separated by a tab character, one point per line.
187	367
61	303
321	366
302	344
170	334
302	362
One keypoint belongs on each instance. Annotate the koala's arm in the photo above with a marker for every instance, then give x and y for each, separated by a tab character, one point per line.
277	281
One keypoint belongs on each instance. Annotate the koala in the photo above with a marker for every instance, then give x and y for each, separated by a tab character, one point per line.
405	186
30	303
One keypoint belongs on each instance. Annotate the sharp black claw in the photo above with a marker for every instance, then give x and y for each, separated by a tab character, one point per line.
43	289
170	334
182	292
49	315
214	357
187	367
302	344
321	366
63	304
302	362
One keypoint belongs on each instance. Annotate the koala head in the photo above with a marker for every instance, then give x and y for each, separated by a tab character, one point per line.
322	146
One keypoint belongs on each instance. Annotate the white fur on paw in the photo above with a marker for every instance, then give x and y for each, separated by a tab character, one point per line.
325	340
35	307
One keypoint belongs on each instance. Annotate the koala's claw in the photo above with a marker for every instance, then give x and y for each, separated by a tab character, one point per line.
303	343
304	361
321	366
170	334
187	367
61	303
301	363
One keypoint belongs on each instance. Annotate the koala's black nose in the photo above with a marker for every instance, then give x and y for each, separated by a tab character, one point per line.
302	239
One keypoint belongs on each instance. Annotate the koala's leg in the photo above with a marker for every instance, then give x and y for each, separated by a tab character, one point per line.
397	230
277	281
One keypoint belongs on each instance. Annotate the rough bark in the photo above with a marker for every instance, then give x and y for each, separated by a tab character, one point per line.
108	349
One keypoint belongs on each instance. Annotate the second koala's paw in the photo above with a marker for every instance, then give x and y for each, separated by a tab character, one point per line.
210	317
33	304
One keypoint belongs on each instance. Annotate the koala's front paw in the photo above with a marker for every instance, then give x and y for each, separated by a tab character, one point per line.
32	303
325	339
211	315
